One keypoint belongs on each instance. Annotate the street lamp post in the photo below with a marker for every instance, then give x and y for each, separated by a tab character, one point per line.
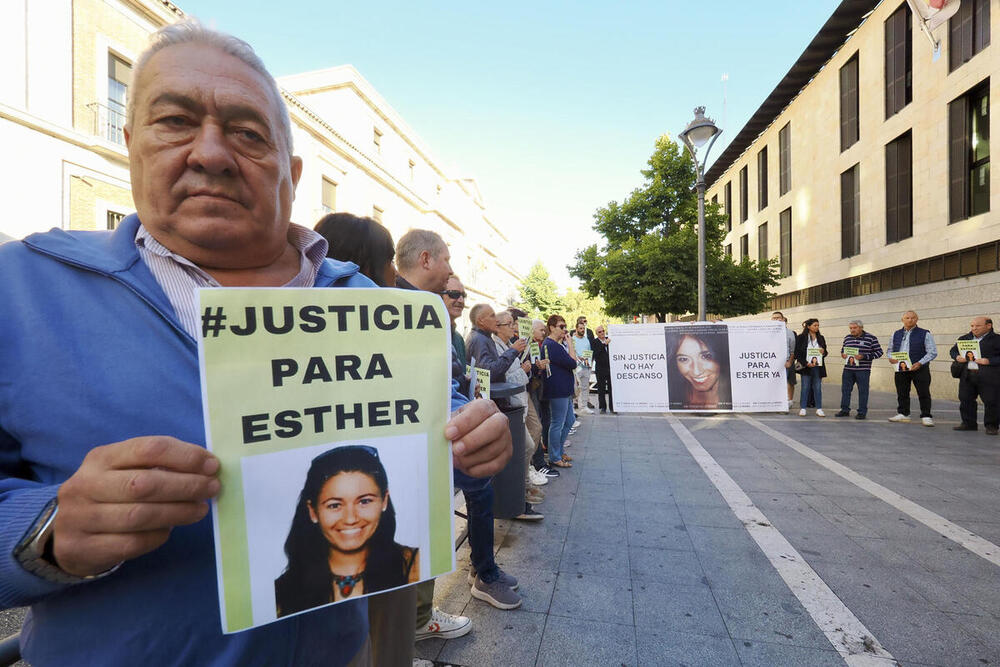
698	132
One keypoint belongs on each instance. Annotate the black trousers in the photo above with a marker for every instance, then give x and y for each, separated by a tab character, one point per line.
604	387
971	387
921	380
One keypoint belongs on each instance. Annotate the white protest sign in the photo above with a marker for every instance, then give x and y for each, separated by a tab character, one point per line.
687	367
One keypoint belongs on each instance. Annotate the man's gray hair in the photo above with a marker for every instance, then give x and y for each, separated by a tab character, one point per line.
858	322
191	31
477	311
414	242
537	322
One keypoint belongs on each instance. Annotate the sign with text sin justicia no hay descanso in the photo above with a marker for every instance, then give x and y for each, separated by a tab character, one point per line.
699	367
326	408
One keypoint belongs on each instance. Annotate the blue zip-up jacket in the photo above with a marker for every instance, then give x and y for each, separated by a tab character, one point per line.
91	353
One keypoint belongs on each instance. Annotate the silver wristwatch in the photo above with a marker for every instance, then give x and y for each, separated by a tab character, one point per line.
34	554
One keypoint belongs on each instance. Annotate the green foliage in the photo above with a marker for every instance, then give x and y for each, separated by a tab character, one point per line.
540	299
650	258
539	296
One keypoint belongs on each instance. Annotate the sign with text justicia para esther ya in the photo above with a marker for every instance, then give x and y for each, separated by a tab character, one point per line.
698	367
326	408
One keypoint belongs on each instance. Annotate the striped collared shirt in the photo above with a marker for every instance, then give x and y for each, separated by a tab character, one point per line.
179	277
868	347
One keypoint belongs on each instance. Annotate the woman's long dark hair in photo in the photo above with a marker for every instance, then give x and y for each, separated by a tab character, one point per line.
360	240
307	581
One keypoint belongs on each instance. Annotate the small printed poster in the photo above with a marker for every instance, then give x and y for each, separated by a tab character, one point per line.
968	350
480	385
852	353
536	351
524	328
587	356
904	360
326	408
814	355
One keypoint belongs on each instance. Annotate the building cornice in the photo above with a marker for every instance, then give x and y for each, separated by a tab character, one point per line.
830	38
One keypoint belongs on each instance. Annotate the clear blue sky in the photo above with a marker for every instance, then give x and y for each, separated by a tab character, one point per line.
552	106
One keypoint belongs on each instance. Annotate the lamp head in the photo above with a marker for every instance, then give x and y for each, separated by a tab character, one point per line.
699	131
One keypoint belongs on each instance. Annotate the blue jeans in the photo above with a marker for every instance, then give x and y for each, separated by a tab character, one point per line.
847	382
811	381
479	507
562	420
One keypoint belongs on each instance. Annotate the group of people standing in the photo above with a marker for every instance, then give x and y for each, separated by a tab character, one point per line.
911	350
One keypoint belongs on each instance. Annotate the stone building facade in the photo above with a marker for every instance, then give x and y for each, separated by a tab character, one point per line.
866	175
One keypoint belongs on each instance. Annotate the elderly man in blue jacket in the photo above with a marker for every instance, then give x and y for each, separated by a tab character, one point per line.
104	477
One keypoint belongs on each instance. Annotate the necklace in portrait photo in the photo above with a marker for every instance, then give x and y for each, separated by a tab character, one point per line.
347	583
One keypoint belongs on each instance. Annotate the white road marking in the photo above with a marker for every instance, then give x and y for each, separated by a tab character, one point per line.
977	545
848	635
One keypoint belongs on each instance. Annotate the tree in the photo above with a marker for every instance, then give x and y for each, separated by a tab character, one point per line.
539	297
577	303
649	260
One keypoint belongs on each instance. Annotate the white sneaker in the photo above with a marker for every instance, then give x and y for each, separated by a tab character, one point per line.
444	626
791	403
820	413
900	418
927	421
537	478
588	411
576	424
802	412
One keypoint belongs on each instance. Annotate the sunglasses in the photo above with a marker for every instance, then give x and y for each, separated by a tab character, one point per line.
505	324
561	326
454	294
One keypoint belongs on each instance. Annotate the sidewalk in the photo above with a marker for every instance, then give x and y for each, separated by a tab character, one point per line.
641	561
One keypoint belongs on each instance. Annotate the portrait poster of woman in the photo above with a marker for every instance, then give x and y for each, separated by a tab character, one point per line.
336	523
698	376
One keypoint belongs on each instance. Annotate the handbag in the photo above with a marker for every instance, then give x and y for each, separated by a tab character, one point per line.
956	369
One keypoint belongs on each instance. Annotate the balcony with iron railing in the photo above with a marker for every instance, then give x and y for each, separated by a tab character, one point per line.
109	121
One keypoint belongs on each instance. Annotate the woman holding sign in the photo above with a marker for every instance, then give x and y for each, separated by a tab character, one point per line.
810	350
558	390
342	541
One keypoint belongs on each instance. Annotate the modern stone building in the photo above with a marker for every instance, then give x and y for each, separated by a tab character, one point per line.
866	174
63	89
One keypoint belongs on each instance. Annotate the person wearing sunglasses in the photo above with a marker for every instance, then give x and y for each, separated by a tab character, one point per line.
558	390
341	543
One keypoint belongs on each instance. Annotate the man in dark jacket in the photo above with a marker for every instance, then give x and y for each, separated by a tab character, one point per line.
602	366
919	344
480	345
980	377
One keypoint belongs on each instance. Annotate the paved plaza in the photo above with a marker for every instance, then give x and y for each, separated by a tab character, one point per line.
641	559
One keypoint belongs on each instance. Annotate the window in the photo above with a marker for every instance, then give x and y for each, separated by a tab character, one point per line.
850	212
744	193
762	179
969	32
729	250
119	74
762	243
969	154
715	199
114	218
899	189
744	247
898	61
377	139
377	214
729	206
849	103
785	159
329	196
785	258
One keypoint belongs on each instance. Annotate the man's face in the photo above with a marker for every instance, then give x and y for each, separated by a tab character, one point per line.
581	327
599	332
487	321
909	319
438	269
777	318
456	305
854	328
212	178
979	326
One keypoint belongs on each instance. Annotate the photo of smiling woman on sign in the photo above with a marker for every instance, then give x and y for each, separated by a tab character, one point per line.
698	368
341	543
